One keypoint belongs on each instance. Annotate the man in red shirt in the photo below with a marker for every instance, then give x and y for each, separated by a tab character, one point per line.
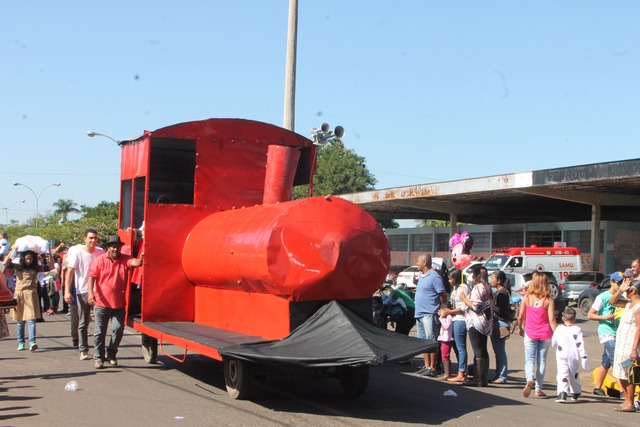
107	283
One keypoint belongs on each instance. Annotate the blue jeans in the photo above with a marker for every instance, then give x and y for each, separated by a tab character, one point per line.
607	356
427	327
499	348
101	316
535	352
84	318
460	336
31	326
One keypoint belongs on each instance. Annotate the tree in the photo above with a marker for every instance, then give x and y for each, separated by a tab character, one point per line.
103	217
340	171
102	209
64	207
422	223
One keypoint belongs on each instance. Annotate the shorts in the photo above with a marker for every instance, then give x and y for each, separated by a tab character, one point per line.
607	356
428	327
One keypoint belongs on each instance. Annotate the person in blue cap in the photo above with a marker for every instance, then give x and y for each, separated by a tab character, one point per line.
604	312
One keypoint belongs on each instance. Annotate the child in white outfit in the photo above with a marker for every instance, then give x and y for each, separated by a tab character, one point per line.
570	353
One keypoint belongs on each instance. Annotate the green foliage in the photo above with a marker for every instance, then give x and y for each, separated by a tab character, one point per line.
64	207
433	223
108	209
340	171
103	217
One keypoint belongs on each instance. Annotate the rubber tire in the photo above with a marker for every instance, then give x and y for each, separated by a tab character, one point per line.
238	378
585	306
149	349
353	380
555	291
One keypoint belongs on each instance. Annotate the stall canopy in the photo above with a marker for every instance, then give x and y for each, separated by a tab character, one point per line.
333	336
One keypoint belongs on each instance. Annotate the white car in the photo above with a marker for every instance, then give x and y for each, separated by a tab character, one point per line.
406	277
409	276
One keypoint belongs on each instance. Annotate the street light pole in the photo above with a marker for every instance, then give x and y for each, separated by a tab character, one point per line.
57	184
91	134
6	209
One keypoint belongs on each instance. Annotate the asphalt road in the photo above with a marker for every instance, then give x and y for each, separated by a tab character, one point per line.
170	393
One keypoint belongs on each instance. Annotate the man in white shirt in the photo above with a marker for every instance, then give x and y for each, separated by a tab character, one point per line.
78	261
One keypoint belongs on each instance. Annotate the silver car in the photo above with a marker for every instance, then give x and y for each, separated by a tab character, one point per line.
575	283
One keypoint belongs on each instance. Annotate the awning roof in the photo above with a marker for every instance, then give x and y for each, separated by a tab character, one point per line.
549	195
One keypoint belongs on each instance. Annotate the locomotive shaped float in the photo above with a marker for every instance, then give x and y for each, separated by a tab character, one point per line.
229	259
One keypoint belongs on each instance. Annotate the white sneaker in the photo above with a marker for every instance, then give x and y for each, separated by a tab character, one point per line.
84	355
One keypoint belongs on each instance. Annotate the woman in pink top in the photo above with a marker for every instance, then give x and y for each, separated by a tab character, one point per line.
537	322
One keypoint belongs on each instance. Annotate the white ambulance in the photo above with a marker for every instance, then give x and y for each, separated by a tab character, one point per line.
559	260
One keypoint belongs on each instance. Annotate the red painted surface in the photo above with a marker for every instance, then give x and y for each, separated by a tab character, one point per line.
249	313
310	249
215	254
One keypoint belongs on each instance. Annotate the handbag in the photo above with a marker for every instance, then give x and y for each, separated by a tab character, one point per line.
633	373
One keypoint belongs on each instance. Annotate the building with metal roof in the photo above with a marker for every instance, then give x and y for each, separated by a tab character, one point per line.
603	197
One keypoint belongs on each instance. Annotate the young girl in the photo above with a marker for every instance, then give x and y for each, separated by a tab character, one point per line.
446	339
458	310
26	294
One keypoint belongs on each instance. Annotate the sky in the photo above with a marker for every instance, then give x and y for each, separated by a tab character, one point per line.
427	91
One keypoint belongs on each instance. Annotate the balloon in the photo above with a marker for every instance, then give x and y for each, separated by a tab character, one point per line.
460	246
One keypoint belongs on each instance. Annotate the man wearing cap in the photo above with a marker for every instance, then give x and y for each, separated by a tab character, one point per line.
604	312
107	284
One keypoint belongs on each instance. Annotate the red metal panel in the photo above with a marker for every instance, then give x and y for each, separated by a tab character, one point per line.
311	249
167	294
256	314
231	158
134	160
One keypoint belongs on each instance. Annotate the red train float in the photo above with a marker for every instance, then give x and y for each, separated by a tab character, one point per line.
229	259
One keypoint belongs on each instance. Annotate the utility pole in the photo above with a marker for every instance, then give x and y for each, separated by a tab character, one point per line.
290	68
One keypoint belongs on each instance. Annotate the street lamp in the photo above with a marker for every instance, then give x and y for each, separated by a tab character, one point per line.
6	209
57	184
91	134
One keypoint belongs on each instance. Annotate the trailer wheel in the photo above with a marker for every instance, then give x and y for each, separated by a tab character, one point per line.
149	349
353	380
238	377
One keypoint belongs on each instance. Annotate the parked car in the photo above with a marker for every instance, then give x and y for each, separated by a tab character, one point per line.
409	276
586	297
394	270
519	278
575	283
406	277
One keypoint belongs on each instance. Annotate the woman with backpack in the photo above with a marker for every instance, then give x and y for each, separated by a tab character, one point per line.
502	318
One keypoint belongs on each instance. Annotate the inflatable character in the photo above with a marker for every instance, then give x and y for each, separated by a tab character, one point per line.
460	247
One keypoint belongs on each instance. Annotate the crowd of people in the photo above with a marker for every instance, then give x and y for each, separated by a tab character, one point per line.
482	311
92	281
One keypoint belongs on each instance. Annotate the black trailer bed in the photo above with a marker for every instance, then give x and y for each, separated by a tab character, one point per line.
201	334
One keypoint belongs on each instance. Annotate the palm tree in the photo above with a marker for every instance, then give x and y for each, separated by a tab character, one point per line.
65	207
